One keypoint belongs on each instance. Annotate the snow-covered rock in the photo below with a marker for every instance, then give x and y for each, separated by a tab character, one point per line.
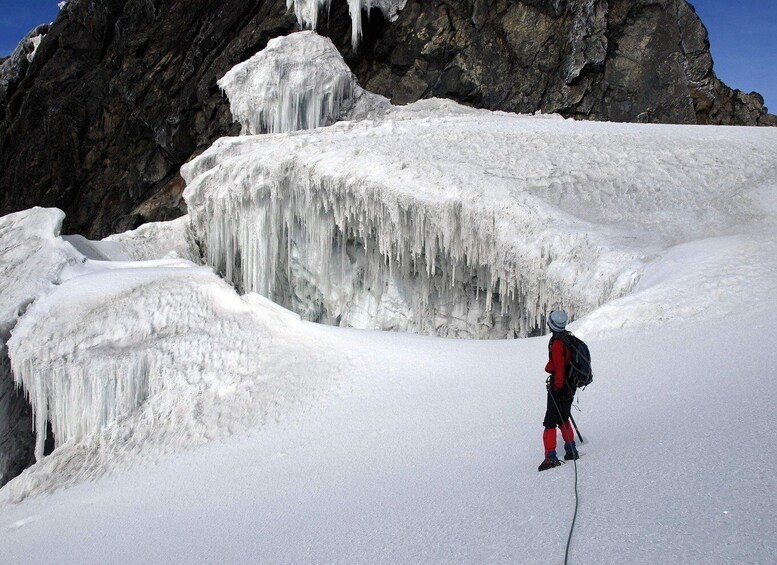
14	68
297	82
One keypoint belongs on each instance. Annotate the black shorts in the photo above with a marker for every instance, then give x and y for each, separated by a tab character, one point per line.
564	402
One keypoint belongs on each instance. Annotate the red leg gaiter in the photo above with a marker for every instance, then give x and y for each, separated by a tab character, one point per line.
549	439
567	432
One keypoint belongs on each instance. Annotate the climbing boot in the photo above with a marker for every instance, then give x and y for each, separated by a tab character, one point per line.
570	451
550	461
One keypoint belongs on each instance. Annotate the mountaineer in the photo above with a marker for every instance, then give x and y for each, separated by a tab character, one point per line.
561	393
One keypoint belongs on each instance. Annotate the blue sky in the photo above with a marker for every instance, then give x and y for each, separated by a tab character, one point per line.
743	35
17	17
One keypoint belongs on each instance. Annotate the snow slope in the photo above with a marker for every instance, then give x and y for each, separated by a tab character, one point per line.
428	454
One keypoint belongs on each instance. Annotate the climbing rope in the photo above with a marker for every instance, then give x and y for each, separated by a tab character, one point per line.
577	496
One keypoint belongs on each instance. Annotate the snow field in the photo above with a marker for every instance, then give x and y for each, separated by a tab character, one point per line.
428	451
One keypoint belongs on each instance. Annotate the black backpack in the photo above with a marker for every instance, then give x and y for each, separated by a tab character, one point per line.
579	374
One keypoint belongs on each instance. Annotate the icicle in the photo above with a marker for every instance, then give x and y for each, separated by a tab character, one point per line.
366	262
79	399
307	12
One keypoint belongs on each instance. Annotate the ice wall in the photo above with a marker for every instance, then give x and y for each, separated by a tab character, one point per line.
308	12
32	257
297	82
450	221
336	257
396	225
151	357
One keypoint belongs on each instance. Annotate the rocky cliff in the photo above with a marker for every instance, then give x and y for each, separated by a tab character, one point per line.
120	93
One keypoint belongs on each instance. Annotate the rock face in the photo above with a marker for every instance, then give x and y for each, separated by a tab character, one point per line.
17	439
122	92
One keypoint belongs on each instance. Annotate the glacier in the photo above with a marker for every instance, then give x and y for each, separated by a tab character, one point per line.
431	218
441	219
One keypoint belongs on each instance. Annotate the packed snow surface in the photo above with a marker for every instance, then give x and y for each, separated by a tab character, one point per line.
428	453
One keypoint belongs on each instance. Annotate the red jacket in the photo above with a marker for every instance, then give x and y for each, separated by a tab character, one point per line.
559	358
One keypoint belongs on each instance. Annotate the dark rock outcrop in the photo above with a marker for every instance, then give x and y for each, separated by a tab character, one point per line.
616	60
122	92
17	439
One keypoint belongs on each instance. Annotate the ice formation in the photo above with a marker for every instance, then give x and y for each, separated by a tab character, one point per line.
31	260
449	221
143	356
348	248
297	82
308	11
35	44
